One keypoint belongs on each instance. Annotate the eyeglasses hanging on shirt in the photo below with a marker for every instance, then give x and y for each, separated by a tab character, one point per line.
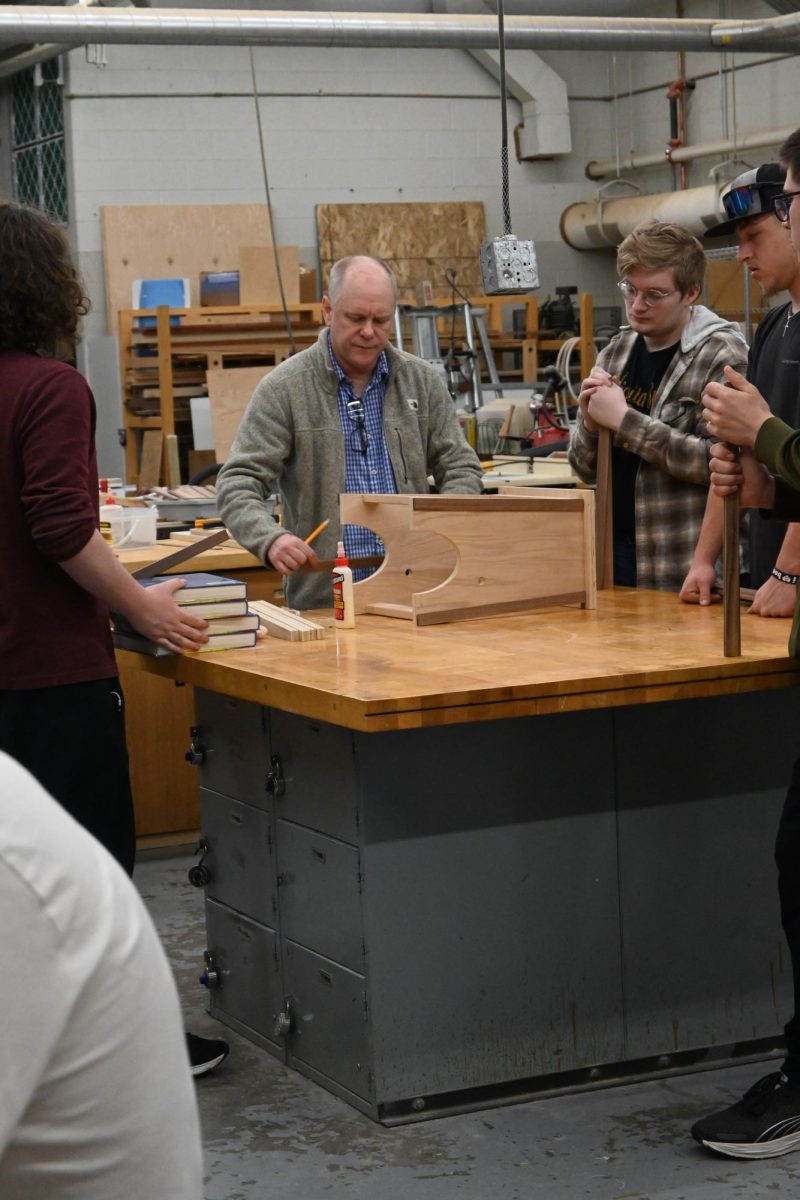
355	411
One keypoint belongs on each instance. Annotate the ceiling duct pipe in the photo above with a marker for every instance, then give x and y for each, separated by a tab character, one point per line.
604	223
33	55
216	27
602	168
764	34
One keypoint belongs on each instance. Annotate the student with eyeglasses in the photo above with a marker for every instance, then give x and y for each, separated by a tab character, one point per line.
757	207
350	414
646	388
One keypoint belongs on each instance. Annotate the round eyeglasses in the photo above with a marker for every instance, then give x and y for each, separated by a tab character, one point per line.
782	205
650	297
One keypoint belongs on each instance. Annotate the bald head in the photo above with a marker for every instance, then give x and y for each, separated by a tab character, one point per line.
361	266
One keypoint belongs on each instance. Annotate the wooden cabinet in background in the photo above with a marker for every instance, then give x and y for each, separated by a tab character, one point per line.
166	352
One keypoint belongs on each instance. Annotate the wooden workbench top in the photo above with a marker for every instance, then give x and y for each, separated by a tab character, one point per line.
384	674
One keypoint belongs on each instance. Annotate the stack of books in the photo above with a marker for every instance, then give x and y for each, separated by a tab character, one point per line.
219	600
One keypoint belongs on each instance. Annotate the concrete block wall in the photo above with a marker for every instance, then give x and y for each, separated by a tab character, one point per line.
177	125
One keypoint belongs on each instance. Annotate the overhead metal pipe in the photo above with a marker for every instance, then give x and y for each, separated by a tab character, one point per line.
757	34
604	223
604	167
80	25
30	58
77	26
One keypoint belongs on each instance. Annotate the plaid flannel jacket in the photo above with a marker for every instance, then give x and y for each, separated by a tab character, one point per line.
672	443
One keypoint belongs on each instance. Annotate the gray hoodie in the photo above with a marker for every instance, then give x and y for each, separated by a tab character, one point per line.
290	439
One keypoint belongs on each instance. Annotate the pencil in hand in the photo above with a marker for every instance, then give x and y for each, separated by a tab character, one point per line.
316	532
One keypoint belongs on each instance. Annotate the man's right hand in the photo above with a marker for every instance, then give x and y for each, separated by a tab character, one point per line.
287	553
748	474
597	378
699	586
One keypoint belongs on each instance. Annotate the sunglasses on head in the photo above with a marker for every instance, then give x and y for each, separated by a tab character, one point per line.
739	201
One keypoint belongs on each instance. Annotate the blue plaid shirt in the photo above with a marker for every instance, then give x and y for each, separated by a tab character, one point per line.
367	466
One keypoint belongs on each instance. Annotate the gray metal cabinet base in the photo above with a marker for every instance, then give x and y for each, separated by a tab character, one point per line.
450	917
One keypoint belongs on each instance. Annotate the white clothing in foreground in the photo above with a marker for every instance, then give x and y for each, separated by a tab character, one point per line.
96	1096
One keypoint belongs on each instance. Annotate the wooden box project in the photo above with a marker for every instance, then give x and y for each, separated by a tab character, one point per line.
449	558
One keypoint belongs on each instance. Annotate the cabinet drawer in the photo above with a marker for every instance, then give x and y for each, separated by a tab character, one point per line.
319	893
319	769
330	1019
232	735
244	953
240	859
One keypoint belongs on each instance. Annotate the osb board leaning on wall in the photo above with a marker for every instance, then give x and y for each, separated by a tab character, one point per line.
418	241
169	241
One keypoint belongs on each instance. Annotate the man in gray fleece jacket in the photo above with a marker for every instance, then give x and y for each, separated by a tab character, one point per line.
350	414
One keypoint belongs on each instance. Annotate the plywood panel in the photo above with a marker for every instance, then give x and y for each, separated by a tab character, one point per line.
418	241
164	241
725	288
258	279
229	392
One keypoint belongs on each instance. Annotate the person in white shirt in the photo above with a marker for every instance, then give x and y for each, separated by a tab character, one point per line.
96	1093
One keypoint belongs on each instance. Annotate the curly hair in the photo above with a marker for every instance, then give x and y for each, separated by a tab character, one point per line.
41	296
658	245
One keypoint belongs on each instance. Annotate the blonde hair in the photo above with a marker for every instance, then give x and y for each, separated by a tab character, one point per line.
658	245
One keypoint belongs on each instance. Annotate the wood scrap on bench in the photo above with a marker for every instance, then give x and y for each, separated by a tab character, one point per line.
285	624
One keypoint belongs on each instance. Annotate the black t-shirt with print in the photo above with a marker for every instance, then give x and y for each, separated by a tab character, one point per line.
640	381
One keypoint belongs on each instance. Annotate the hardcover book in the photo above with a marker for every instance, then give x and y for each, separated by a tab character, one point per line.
202	587
217	611
220	641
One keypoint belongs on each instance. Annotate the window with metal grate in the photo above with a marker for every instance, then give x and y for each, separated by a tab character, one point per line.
37	136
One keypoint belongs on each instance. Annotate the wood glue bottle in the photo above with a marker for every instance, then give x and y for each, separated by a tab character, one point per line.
343	604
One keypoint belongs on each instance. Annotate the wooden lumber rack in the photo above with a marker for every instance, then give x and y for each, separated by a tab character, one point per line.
165	354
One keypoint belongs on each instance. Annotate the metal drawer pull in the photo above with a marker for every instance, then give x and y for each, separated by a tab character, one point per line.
199	874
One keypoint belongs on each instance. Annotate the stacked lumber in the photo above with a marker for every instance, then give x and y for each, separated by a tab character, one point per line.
285	624
186	491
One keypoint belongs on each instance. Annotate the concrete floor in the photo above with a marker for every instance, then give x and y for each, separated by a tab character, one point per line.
269	1133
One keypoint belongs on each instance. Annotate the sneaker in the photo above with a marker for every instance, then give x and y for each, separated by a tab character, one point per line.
765	1123
205	1053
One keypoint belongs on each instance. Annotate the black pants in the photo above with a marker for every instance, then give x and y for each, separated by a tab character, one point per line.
72	739
625	562
787	856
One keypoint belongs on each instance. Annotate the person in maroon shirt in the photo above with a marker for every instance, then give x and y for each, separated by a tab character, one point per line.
61	703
